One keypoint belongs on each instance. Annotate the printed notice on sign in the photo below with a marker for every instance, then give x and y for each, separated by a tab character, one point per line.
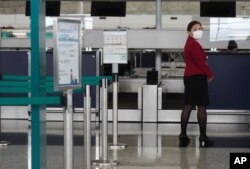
115	47
115	38
68	54
115	54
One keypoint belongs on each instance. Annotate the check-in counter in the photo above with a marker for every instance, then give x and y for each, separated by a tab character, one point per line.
169	85
228	91
230	88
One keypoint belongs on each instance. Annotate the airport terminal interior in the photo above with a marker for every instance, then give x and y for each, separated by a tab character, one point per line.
99	84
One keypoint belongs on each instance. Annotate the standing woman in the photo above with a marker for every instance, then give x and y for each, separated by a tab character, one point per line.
196	77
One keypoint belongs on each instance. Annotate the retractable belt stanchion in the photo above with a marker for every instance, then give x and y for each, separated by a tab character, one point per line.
87	129
68	131
115	145
104	162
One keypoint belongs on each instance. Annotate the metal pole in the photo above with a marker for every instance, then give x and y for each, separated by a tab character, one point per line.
38	72
80	9
115	144
29	74
115	109
105	120
158	27
29	115
158	14
100	116
158	63
3	144
97	147
29	148
115	155
68	132
87	129
104	162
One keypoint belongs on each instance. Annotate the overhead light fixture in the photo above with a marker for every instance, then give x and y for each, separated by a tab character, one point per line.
19	33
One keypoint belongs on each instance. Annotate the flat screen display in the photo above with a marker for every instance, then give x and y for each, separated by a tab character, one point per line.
218	9
107	8
52	8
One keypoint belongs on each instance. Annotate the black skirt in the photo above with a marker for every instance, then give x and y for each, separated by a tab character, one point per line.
196	90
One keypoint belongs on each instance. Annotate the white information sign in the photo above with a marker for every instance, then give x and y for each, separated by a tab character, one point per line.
67	54
115	38
115	47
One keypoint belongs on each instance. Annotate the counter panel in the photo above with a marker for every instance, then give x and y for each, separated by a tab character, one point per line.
230	89
16	63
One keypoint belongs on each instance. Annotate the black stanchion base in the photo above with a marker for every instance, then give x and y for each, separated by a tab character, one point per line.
4	144
104	163
118	146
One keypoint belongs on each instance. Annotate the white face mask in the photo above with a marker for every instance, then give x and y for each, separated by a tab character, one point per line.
197	34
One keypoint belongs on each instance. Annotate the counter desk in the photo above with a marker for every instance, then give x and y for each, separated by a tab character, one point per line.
230	88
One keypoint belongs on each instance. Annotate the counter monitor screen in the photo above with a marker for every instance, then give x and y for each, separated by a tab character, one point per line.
52	8
218	9
103	8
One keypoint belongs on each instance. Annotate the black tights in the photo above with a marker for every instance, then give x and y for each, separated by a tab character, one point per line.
201	116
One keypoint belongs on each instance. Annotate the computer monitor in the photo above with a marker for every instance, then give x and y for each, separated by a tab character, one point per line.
52	8
108	8
218	9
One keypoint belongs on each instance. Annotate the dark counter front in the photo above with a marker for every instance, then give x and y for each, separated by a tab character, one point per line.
230	89
16	63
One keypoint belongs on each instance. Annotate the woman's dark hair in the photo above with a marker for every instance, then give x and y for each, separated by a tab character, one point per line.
191	24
